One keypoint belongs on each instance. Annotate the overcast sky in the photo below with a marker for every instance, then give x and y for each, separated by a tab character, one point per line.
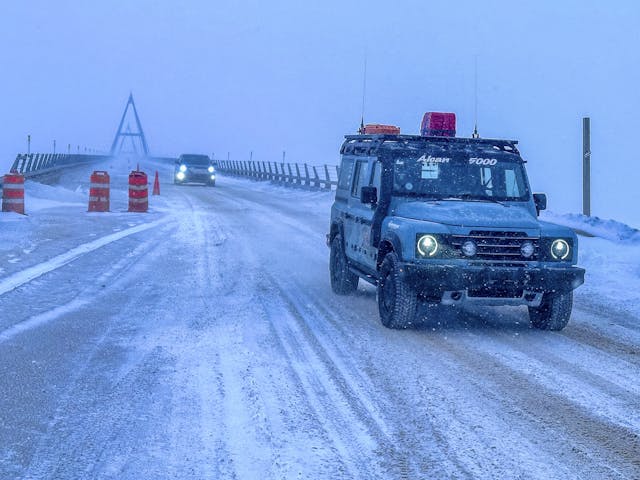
249	75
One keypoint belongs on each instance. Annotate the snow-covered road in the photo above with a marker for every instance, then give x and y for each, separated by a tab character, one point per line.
202	340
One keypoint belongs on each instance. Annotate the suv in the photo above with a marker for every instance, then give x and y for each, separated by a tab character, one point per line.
447	220
191	168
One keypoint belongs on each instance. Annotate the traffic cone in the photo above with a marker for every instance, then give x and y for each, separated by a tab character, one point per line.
156	185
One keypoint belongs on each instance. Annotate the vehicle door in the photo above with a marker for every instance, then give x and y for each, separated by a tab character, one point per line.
368	250
359	215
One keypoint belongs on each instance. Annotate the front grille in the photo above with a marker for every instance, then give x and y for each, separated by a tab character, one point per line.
498	248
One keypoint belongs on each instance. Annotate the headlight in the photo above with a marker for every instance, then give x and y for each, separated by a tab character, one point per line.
213	177
180	176
427	245
183	168
210	169
560	249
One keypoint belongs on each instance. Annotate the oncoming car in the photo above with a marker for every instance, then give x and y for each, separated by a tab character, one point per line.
191	168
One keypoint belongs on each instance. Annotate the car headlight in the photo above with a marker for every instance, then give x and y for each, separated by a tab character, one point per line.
426	245
183	168
210	169
213	177
180	176
560	249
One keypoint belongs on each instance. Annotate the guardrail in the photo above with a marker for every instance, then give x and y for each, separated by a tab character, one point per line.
33	164
323	177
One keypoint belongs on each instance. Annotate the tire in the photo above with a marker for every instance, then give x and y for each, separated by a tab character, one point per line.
397	301
343	281
553	313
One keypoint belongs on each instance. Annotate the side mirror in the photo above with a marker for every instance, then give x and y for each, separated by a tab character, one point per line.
540	199
369	195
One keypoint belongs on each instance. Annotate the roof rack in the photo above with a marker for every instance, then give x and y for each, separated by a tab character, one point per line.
370	143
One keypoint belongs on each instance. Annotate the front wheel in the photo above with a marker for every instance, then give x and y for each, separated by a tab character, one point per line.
397	301
553	313
343	281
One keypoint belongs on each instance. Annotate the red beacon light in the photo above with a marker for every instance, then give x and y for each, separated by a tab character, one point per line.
377	128
438	124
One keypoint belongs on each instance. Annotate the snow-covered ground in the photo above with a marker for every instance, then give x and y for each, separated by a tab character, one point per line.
202	340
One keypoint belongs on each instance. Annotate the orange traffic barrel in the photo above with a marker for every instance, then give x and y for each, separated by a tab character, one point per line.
138	192
99	192
13	193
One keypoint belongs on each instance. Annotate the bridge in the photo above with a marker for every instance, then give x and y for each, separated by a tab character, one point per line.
202	340
131	143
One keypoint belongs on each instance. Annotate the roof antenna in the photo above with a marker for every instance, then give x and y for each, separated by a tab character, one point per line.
364	93
475	85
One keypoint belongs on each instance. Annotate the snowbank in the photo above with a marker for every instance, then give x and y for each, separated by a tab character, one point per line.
608	229
39	196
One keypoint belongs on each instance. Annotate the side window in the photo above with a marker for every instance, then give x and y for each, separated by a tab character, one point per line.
377	176
345	174
359	178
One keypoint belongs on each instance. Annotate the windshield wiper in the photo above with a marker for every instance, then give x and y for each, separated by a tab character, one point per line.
489	199
427	196
474	198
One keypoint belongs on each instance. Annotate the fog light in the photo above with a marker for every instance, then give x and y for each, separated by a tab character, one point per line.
180	176
469	248
527	249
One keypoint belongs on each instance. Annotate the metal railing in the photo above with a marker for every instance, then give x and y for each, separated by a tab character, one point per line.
30	165
323	177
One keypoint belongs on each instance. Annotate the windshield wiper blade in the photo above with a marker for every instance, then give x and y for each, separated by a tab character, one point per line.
428	196
489	199
474	198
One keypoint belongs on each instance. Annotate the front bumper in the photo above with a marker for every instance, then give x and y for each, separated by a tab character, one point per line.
491	281
195	178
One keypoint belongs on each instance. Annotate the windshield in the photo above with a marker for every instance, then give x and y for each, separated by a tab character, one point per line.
195	159
462	176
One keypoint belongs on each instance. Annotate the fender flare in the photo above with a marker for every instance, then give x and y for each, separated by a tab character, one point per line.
390	243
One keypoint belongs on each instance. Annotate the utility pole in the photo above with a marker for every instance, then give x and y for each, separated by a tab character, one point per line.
28	144
586	166
68	149
54	147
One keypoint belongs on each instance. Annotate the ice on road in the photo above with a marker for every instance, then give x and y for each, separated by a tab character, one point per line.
202	340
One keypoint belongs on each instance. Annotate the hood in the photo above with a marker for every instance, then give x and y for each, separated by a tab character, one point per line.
468	214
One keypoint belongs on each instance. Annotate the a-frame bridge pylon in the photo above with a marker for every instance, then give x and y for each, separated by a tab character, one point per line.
123	134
